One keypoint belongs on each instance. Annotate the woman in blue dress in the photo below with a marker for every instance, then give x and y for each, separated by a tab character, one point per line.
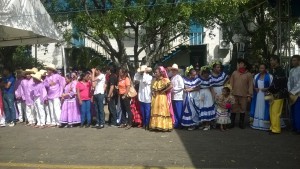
259	113
191	99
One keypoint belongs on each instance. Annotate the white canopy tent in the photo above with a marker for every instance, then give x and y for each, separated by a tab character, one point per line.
24	22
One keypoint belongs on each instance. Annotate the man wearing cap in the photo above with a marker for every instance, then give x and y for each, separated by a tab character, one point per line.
99	86
144	94
26	89
54	84
8	85
177	95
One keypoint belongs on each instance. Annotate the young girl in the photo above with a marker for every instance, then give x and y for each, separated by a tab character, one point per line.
70	113
83	89
224	103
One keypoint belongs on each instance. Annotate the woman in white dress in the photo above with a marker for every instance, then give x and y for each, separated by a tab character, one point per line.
259	113
218	77
207	109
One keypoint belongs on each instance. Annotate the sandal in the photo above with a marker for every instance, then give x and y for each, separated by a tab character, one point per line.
128	127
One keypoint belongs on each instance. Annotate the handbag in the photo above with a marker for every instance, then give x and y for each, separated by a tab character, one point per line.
132	92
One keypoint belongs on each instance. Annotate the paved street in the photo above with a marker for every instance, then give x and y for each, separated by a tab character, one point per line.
25	147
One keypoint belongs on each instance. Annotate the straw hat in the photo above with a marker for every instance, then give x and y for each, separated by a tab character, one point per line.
42	72
144	68
50	66
31	71
37	76
19	72
174	67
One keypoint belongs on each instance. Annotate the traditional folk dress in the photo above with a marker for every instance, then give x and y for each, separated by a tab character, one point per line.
260	108
70	113
191	103
207	108
137	119
223	114
294	89
19	103
54	93
217	82
39	95
161	117
26	90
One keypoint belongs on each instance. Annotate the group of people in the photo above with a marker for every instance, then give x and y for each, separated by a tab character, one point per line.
165	98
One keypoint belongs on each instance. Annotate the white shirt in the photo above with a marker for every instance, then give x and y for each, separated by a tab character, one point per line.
178	86
145	81
294	81
100	84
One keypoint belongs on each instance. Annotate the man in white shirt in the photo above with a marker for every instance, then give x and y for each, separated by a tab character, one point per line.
144	94
99	86
294	90
177	95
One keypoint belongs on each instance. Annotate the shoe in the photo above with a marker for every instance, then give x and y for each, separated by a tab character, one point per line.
122	126
12	124
61	126
113	125
206	128
3	125
191	128
100	126
87	126
128	127
70	126
81	126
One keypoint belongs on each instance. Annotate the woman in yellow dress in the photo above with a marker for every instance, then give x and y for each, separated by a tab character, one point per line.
162	116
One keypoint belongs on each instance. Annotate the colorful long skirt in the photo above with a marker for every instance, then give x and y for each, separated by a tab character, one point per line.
136	113
160	114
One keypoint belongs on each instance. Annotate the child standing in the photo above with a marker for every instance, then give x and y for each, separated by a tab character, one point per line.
39	95
224	103
70	113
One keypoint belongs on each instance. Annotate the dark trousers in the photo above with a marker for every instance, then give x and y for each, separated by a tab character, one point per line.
112	110
99	106
9	107
125	106
178	112
146	112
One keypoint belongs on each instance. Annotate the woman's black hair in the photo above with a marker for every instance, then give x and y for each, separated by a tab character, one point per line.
191	70
124	71
266	66
82	76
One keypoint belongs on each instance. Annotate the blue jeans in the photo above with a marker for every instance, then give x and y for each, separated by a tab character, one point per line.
85	110
178	112
99	106
146	111
9	107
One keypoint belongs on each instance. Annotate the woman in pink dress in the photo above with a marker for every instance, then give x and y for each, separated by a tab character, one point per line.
70	113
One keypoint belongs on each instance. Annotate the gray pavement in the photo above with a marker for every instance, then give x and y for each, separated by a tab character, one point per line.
116	148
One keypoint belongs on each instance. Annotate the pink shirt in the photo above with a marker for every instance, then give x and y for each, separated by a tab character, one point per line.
84	90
